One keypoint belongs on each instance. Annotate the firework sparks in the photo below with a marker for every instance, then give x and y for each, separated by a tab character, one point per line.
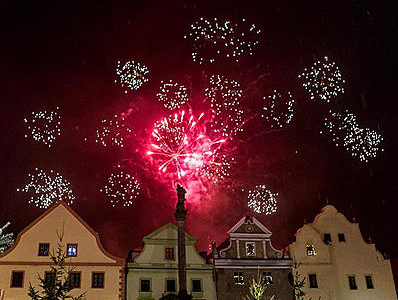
47	188
323	80
223	95
131	74
180	146
44	126
278	110
262	200
122	189
345	131
172	94
113	131
213	39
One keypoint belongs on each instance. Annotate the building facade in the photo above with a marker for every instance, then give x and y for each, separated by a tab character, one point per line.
96	272
337	264
248	254
153	271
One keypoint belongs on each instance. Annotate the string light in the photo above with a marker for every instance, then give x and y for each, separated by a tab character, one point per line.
131	74
44	126
213	39
262	200
113	131
122	189
47	188
278	111
345	131
172	94
323	80
223	95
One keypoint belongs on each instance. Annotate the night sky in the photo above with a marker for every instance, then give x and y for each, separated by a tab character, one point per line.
64	54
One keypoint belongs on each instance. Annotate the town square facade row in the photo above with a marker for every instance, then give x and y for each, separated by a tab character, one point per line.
329	256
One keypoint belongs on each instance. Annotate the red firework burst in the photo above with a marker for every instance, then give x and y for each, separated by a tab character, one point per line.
179	146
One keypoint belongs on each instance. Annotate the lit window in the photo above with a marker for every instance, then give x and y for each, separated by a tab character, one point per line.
196	285
44	249
327	238
169	253
72	250
267	277
98	280
238	278
17	278
341	237
369	282
74	280
145	285
352	283
311	250
313	281
250	248
49	278
170	285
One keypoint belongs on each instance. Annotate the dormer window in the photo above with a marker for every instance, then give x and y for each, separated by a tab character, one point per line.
169	253
250	249
310	250
327	238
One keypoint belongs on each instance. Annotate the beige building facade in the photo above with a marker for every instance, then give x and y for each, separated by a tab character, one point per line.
337	263
153	271
96	272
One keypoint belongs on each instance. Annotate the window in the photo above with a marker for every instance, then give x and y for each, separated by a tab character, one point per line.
352	283
44	249
49	278
238	278
74	280
17	278
250	248
98	280
341	237
72	250
369	282
313	281
169	253
267	277
327	238
145	285
170	285
196	285
311	250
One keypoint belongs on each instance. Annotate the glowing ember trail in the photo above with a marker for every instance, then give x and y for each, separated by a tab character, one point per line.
179	145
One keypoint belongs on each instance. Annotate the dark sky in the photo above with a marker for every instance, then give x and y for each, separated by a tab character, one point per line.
64	53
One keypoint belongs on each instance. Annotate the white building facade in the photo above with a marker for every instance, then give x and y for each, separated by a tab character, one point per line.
153	272
337	263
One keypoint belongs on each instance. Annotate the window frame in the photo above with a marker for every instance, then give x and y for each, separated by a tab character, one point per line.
328	240
67	249
80	278
349	282
48	252
313	252
150	285
254	248
23	279
266	276
92	279
175	284
343	239
165	252
201	285
45	276
316	281
239	277
371	281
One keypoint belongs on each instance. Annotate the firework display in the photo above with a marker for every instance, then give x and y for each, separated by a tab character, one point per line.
278	110
44	126
323	80
179	145
113	131
262	200
213	39
172	94
46	188
131	75
217	168
223	95
345	131
122	189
